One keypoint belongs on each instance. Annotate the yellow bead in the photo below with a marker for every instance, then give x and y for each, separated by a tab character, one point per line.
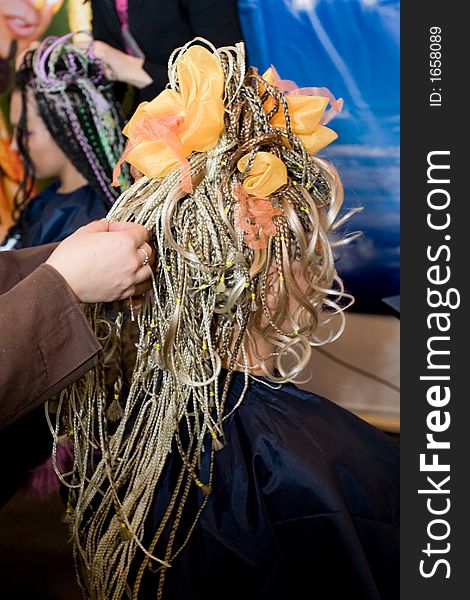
253	296
178	300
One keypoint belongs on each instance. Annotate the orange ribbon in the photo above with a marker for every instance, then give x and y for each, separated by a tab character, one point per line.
165	128
164	132
306	110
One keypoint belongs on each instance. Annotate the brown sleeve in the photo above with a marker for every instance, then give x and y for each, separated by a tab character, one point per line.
46	342
15	265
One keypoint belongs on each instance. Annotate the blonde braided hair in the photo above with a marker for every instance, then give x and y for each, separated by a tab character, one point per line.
214	300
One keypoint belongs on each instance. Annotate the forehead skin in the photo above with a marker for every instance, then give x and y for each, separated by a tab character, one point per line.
16	106
46	156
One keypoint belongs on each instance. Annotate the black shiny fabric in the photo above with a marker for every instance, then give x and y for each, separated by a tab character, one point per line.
51	216
305	504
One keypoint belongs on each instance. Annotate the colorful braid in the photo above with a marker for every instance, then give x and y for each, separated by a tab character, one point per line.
77	105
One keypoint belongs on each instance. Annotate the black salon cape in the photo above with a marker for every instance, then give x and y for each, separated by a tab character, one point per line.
305	504
52	216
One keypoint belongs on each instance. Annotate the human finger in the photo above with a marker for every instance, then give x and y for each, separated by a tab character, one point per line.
83	44
135	302
147	254
120	225
143	287
150	249
96	226
135	229
138	233
143	274
127	293
142	283
135	173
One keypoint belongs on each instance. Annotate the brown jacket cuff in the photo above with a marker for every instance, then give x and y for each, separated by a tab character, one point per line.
46	342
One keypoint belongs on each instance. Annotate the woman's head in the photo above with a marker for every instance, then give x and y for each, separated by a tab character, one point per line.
246	261
240	210
63	103
45	156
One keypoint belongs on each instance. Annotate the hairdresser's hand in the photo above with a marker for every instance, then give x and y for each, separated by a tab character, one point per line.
120	66
137	299
103	262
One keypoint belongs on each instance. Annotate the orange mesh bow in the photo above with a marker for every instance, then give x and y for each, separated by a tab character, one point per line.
306	111
254	215
164	132
164	129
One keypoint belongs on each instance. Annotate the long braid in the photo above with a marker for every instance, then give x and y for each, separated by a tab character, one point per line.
26	186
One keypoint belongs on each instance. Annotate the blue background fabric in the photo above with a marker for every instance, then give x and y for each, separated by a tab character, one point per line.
351	47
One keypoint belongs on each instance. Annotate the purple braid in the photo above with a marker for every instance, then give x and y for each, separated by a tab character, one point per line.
87	150
42	55
73	63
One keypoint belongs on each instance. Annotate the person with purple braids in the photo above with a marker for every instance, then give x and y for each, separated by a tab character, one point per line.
67	127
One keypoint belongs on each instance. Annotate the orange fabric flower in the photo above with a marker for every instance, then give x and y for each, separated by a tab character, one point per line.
164	132
305	112
254	216
267	174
